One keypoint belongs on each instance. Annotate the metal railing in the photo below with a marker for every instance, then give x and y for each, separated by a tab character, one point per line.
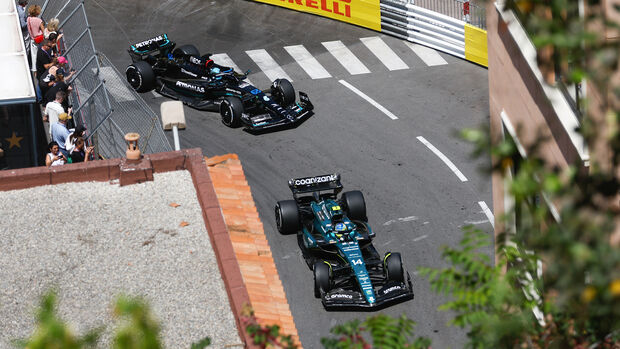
101	98
463	10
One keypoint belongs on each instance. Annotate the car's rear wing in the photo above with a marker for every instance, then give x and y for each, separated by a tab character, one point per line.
159	43
316	183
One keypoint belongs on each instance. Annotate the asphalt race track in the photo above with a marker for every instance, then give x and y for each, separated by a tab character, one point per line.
416	203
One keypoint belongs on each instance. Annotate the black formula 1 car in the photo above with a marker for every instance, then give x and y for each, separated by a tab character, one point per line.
181	73
336	243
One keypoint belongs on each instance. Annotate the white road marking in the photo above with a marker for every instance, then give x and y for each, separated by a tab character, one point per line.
443	158
115	85
307	62
225	60
268	65
348	60
428	55
420	238
487	212
404	219
477	222
385	54
368	99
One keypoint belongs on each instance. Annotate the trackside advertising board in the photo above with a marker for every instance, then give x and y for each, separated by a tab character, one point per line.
365	13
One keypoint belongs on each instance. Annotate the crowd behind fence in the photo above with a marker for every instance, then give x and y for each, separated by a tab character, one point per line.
463	10
101	98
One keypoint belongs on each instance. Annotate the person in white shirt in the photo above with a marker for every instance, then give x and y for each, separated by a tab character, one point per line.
55	108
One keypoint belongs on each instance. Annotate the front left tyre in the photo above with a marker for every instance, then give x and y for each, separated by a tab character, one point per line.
231	110
283	92
322	278
393	265
141	76
287	217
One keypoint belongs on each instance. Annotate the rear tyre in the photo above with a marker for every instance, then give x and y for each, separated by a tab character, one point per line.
186	50
355	205
322	278
394	267
287	217
141	76
283	92
231	109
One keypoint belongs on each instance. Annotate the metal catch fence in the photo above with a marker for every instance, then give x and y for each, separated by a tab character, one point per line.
102	100
463	10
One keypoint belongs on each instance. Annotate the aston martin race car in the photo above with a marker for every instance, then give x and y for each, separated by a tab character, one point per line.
182	73
336	243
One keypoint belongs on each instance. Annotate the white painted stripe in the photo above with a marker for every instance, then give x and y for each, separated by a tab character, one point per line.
487	212
420	238
348	60
268	65
368	99
307	62
428	55
385	54
226	61
443	158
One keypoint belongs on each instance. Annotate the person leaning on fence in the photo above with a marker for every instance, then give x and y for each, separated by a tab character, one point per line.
60	132
35	30
54	108
80	153
54	157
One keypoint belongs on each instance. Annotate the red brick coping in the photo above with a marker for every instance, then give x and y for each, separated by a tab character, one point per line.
132	172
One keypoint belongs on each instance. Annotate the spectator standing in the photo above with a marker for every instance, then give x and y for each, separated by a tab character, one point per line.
54	157
35	30
60	132
78	132
44	58
59	85
54	108
79	153
52	27
23	17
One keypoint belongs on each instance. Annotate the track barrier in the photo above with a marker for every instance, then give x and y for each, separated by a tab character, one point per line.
456	27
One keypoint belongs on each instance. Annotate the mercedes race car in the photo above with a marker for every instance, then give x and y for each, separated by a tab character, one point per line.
182	73
336	243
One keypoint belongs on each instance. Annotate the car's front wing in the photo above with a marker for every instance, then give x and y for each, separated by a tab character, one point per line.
391	293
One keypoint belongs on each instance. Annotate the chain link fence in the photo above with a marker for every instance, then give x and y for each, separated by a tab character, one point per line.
102	100
463	10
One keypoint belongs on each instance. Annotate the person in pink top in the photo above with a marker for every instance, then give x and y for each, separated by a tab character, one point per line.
35	29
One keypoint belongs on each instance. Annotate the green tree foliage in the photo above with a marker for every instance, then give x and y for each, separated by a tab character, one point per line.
384	332
53	333
141	330
138	328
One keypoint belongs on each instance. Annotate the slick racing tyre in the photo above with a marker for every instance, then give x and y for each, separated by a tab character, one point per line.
394	267
231	109
283	92
287	217
322	278
140	76
355	205
186	50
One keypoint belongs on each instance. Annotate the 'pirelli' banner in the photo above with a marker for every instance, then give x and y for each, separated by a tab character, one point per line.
365	13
